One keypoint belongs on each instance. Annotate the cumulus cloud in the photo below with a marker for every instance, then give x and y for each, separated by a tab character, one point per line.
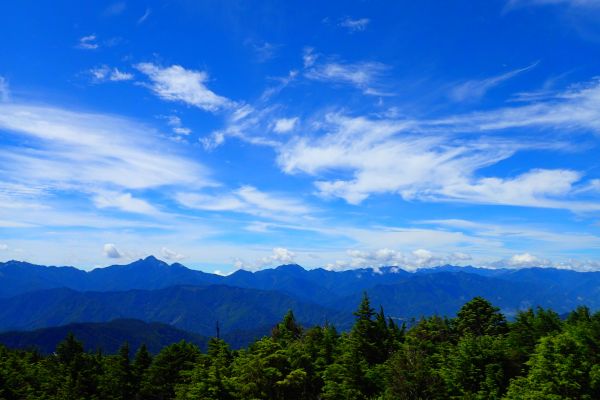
284	125
279	256
105	73
88	42
385	257
111	251
171	255
521	260
176	83
355	25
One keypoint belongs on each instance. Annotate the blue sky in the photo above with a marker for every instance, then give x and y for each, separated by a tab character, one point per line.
233	134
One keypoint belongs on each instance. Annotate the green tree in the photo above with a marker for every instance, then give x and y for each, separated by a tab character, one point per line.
288	329
479	317
165	372
117	381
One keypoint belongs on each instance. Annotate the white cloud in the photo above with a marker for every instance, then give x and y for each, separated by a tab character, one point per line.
371	149
212	141
111	251
355	25
577	108
124	202
279	256
3	247
245	123
117	75
283	82
433	167
104	73
271	203
248	200
309	57
574	3
88	42
222	273
4	90
176	125
176	83
475	89
537	188
522	236
284	125
67	149
385	257
144	17
365	76
522	260
171	255
264	51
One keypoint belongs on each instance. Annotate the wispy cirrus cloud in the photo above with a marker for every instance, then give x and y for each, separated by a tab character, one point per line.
178	84
364	75
354	25
263	50
124	202
89	42
247	200
476	89
4	90
437	165
144	16
574	109
104	73
574	3
114	9
68	148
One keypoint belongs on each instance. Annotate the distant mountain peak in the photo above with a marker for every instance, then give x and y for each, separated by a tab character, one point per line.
290	267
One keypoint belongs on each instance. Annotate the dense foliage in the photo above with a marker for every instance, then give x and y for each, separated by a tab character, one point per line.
477	355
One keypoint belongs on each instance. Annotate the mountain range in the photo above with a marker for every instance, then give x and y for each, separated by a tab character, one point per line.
105	336
247	304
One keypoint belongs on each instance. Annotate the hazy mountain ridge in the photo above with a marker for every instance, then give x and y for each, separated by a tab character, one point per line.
151	290
192	308
105	336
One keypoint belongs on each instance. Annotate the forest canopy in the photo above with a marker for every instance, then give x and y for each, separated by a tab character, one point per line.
476	355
